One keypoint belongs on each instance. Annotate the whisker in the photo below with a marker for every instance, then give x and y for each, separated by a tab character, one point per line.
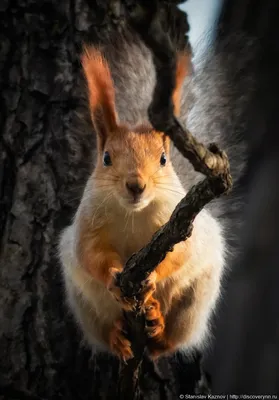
103	186
167	184
163	188
72	200
155	172
100	205
157	179
113	179
106	206
76	187
127	216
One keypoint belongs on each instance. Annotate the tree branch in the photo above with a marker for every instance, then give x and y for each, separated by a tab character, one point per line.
145	17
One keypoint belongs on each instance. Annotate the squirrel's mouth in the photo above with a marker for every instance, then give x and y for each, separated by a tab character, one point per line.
136	203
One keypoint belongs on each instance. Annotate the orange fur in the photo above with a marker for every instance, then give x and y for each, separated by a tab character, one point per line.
182	70
96	255
100	91
118	343
155	321
157	342
173	260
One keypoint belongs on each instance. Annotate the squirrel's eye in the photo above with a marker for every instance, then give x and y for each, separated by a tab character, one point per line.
107	160
163	159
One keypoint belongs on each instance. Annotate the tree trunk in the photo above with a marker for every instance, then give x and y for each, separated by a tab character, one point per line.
46	155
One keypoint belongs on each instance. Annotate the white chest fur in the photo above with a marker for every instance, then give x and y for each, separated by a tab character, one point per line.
129	232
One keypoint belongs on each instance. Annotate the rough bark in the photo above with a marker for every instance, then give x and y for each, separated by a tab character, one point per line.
45	159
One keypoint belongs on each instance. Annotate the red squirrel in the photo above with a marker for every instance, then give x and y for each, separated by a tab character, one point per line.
137	182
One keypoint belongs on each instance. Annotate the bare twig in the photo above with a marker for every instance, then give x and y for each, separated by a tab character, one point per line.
144	17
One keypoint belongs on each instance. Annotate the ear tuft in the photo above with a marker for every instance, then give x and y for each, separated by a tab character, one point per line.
183	69
101	93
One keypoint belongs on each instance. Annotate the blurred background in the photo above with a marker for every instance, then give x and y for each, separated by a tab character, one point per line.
245	353
203	18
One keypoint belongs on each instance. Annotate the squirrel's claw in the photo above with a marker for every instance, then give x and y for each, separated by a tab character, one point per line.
149	287
131	303
155	323
128	304
119	345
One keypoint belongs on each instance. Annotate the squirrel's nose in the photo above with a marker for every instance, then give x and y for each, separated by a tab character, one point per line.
135	188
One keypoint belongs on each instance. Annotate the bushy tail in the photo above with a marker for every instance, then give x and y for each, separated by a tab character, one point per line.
215	106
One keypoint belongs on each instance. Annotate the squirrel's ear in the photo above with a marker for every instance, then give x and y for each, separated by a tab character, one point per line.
183	68
100	92
166	141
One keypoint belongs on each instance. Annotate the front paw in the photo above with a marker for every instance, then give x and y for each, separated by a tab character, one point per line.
119	345
148	288
131	303
155	323
127	304
157	342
